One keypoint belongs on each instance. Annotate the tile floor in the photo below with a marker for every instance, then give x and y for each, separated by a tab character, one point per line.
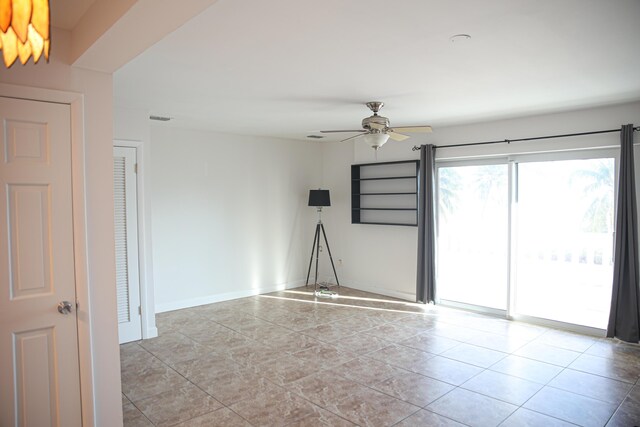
363	359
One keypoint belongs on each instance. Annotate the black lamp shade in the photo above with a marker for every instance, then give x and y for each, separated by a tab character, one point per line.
319	198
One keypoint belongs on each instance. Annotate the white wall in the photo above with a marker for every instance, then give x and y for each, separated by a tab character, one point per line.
98	130
229	214
383	258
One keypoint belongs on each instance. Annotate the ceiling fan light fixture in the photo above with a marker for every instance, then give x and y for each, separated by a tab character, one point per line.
375	139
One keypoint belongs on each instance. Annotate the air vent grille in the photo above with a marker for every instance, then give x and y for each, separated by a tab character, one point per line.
160	118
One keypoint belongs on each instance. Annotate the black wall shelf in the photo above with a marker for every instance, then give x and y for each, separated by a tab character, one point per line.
385	193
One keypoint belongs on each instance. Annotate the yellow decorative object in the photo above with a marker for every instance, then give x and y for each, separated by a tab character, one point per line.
24	30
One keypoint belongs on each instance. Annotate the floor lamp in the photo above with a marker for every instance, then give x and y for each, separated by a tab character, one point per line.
319	199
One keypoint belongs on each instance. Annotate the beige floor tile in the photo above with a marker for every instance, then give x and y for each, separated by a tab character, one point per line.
149	381
289	358
182	404
132	355
571	407
292	342
428	418
361	343
324	388
589	385
368	407
233	387
240	321
392	314
617	369
359	322
527	369
324	356
175	347
200	370
430	343
328	332
367	371
176	320
250	353
474	355
132	417
413	388
567	340
321	418
503	343
221	339
265	332
202	330
526	418
223	417
392	332
447	330
402	357
615	349
503	387
284	370
448	370
548	354
277	409
472	408
628	414
419	321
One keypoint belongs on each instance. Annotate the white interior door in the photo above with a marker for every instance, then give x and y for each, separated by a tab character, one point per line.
40	381
126	239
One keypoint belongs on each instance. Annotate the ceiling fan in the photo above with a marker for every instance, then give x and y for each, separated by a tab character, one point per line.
376	130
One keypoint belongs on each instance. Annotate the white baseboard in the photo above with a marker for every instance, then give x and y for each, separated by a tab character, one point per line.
209	299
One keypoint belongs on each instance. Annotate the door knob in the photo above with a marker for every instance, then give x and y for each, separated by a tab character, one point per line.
64	307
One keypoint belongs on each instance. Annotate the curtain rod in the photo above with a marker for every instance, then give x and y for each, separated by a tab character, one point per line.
509	141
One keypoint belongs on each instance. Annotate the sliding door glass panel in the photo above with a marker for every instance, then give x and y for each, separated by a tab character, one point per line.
473	234
564	261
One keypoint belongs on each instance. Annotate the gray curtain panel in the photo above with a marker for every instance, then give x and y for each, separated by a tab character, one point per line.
425	286
624	318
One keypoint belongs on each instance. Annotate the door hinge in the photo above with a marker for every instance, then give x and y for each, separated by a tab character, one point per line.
135	168
140	310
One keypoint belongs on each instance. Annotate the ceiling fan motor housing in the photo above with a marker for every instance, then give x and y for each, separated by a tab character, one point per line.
375	122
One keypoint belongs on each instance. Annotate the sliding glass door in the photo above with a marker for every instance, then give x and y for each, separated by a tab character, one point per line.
473	234
532	237
564	232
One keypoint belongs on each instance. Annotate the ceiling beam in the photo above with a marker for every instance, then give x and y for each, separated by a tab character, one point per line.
113	32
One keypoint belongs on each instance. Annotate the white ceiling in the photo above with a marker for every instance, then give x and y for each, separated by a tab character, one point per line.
289	68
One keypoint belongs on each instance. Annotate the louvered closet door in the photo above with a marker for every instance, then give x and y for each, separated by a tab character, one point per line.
126	239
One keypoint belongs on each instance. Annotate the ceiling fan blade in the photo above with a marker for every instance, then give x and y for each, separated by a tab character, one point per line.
338	131
397	136
351	137
410	129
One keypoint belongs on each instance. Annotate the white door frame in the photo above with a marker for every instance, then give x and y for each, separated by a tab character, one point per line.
85	353
147	305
